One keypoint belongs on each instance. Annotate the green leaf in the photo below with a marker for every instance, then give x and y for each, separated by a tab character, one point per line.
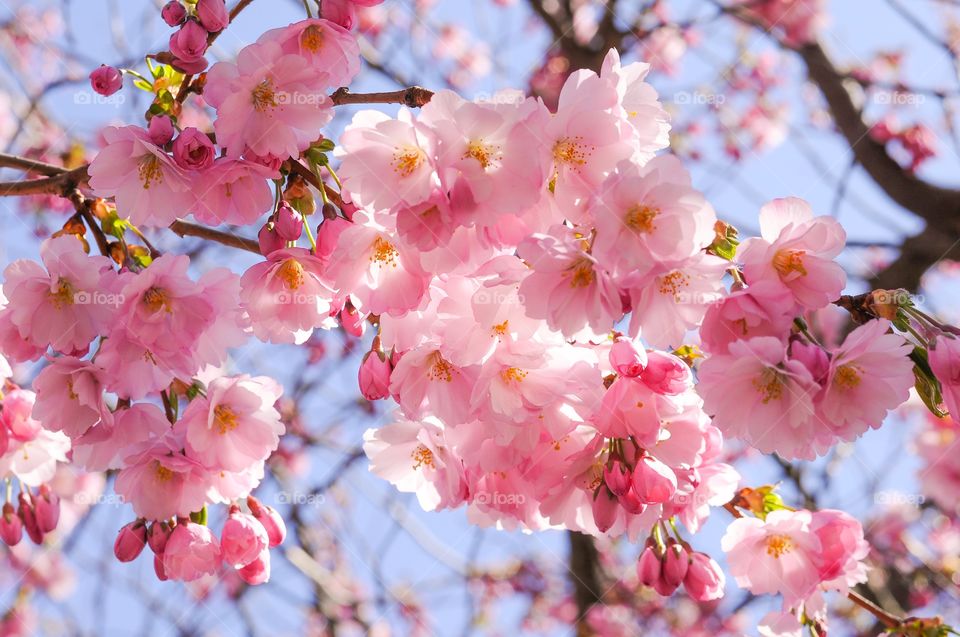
200	517
143	86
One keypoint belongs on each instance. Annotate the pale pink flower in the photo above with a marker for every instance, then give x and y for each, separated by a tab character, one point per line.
797	249
416	458
425	382
243	539
762	309
664	48
232	191
648	215
287	296
268	102
149	187
191	552
235	425
870	374
69	396
160	482
776	555
842	549
386	161
567	285
106	445
16	417
35	462
258	571
640	103
62	305
704	579
323	45
945	363
758	395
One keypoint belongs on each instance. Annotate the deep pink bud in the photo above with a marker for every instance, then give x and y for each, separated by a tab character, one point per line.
648	566
813	358
663	587
130	541
626	359
666	374
288	223
173	13
243	539
106	80
704	580
654	481
213	15
270	519
46	507
617	478
29	517
158	568
11	526
374	375
192	150
4	437
158	536
257	571
328	234
631	503
352	321
675	563
605	508
160	130
269	240
17	415
190	42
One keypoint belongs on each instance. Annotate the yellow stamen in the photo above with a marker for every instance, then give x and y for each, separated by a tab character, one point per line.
847	377
501	329
312	38
787	261
407	160
150	171
777	545
161	472
64	294
513	374
263	96
156	299
672	283
571	151
225	419
486	154
641	217
422	457
769	384
384	252
292	273
440	368
581	274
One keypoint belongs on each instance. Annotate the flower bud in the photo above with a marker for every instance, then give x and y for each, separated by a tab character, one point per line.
270	519
654	481
617	478
649	566
192	150
631	503
27	514
626	359
675	563
288	223
374	375
106	80
269	240
4	438
158	535
158	568
190	42
160	130
191	552
666	374
352	321
704	580
17	415
605	507
243	539
257	571
173	13
11	526
46	507
130	541
213	15
328	234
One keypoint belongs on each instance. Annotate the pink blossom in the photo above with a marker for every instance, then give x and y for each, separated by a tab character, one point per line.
188	45
797	249
232	191
287	296
322	44
130	541
173	13
386	162
945	363
653	481
374	375
149	187
424	381
62	305
191	552
16	416
258	571
870	374
192	150
213	15
11	526
270	520
35	462
704	580
626	359
755	393
800	20
70	396
160	130
160	482
762	309
243	539
640	103
268	102
235	424
842	549
106	80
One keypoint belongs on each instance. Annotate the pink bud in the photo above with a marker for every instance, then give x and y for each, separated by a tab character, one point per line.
648	566
626	359
213	15
617	478
269	240
192	150
631	503
257	571
173	13
663	587
191	552
374	375
158	536
4	437
46	507
243	539
666	374
26	513
812	357
190	42
328	234
704	580
352	321
160	130
270	519
605	508
675	563
654	481
158	568
16	414
11	526
130	541
288	223
106	80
